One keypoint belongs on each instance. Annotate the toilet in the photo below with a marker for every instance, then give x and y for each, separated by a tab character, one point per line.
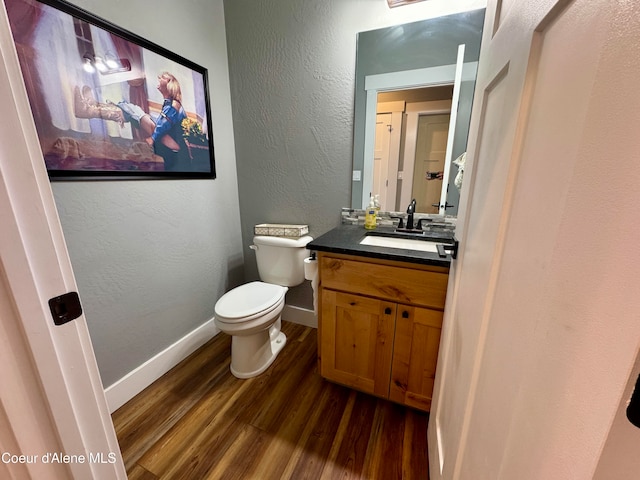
251	312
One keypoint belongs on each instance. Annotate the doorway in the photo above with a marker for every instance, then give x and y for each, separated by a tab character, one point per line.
398	145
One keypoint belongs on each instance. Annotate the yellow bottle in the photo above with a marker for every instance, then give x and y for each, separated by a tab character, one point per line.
370	219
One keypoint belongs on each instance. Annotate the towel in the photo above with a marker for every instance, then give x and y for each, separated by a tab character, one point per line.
459	162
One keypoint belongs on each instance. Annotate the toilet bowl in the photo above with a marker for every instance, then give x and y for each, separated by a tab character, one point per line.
251	313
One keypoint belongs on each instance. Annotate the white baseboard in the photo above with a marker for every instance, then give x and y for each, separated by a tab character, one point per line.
137	380
300	315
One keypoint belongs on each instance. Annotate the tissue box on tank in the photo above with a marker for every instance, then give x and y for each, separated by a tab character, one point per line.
280	230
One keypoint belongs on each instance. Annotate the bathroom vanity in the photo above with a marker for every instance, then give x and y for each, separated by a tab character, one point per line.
380	315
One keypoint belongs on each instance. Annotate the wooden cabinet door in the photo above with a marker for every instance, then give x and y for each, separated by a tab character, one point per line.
415	354
357	341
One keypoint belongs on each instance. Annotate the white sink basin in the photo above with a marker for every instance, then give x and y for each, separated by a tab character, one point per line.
405	243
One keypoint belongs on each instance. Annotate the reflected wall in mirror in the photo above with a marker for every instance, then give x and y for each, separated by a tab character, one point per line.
414	87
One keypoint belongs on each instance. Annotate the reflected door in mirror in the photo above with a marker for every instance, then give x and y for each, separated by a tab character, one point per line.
381	154
431	149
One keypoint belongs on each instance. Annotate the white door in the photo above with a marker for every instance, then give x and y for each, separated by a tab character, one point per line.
542	321
51	398
619	455
430	154
381	157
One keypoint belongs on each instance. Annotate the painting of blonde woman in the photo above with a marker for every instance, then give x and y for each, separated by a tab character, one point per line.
106	103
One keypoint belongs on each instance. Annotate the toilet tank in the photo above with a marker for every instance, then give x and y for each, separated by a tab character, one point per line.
281	259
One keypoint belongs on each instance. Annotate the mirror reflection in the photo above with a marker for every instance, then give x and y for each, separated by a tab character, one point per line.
410	146
414	90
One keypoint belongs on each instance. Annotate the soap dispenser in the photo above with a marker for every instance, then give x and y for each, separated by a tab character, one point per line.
370	219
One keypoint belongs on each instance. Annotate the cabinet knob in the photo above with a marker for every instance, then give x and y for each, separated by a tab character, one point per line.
387	311
405	314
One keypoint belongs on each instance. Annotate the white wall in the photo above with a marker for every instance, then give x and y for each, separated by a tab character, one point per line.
152	257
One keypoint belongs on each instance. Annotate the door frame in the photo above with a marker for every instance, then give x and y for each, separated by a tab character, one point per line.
404	80
424	77
36	267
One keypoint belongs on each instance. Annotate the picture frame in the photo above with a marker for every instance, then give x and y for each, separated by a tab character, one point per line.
108	104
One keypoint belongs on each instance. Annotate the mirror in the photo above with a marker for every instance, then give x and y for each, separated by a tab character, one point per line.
409	79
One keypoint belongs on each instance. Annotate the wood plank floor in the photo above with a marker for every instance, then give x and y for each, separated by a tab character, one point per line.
199	422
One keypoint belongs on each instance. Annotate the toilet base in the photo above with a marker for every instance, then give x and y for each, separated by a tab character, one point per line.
252	354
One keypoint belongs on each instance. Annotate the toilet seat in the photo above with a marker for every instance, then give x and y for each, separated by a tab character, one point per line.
248	301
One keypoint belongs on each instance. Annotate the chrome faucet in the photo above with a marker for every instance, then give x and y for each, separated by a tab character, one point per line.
411	209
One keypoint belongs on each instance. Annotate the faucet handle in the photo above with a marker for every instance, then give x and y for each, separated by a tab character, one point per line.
401	222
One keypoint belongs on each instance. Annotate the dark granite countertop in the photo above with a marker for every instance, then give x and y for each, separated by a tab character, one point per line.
346	239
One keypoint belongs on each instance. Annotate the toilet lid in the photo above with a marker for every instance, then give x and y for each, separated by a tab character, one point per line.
249	299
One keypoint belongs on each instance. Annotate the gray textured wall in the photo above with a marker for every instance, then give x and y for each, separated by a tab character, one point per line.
292	71
152	257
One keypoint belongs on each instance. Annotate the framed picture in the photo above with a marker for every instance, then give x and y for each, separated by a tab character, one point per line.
108	104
